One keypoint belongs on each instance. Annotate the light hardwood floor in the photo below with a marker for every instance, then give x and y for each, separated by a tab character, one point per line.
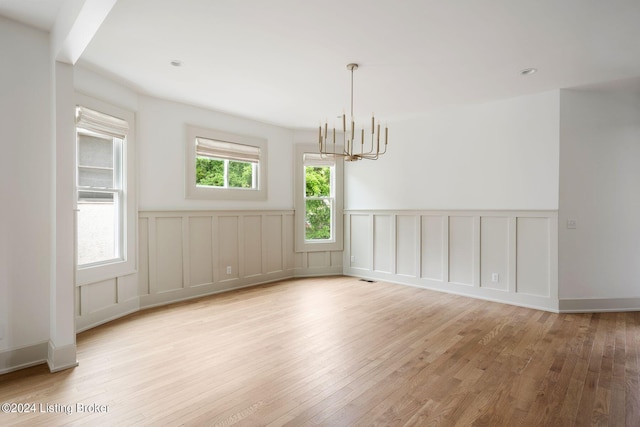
341	352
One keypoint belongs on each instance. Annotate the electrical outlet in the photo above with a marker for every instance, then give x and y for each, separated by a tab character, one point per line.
228	269
1	331
572	223
495	277
353	258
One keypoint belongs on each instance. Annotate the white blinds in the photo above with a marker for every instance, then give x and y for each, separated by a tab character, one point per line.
227	150
317	160
101	123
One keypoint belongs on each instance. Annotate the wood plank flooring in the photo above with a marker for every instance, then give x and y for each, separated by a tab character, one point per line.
342	352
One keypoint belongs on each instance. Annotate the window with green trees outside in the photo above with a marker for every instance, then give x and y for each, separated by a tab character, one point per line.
319	202
212	172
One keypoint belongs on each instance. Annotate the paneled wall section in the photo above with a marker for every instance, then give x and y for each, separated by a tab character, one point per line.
192	253
507	256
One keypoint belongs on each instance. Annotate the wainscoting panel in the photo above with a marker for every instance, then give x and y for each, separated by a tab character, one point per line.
274	248
228	247
143	256
406	245
382	243
494	250
100	302
461	244
318	259
432	247
505	256
221	250
200	257
252	246
360	238
98	296
168	252
292	259
533	252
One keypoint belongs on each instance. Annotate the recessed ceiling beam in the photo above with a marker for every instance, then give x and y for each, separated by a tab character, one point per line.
76	24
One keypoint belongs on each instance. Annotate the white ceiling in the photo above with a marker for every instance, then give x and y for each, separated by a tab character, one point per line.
284	61
37	13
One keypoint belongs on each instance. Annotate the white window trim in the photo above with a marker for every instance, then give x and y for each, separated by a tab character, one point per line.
192	191
337	241
128	264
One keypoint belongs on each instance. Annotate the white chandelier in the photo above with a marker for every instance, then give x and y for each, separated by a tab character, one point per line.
349	150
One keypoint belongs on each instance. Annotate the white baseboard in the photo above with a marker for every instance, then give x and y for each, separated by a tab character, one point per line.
318	271
521	300
23	357
107	314
586	305
61	358
177	295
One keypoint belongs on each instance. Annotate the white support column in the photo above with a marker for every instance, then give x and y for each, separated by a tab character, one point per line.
62	337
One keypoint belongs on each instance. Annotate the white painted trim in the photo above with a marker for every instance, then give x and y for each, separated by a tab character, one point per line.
23	357
61	358
182	294
521	300
300	244
107	314
174	296
318	271
590	305
192	191
93	274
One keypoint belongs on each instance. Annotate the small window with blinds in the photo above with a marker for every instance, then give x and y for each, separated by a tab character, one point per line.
225	166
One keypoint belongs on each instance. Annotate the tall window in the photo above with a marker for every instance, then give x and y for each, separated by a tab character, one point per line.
319	197
318	201
221	165
99	180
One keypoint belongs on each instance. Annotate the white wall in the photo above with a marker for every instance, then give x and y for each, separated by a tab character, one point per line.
161	153
25	173
90	83
498	155
600	189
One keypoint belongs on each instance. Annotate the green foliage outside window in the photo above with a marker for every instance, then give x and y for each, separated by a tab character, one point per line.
240	174
318	211
210	172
